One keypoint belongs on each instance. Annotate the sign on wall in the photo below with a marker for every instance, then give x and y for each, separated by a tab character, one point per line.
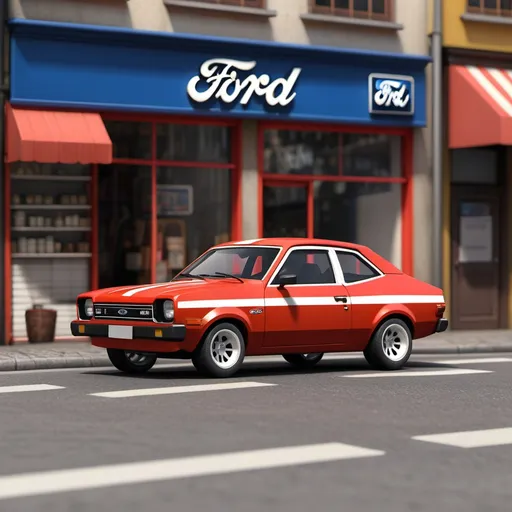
188	74
223	80
390	94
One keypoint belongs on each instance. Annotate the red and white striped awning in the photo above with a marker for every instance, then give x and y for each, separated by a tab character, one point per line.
479	106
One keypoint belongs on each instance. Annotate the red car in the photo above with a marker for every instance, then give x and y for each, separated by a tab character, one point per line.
296	297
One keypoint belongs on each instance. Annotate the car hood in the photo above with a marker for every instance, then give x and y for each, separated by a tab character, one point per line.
193	288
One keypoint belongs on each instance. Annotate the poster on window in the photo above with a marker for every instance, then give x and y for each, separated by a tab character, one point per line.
175	200
475	239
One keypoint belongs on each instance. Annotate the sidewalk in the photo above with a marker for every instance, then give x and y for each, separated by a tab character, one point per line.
81	355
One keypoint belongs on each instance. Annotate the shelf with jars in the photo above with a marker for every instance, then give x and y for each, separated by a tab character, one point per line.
50	210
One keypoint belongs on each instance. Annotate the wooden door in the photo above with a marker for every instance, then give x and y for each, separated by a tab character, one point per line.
478	259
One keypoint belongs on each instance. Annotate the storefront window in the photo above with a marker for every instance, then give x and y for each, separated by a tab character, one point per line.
193	143
124	218
285	211
375	155
331	154
347	185
50	240
301	153
130	139
194	213
363	213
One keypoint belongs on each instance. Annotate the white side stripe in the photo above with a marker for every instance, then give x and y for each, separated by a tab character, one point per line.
175	390
310	301
471	439
229	303
398	299
49	482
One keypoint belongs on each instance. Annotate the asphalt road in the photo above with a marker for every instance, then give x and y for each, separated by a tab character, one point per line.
339	438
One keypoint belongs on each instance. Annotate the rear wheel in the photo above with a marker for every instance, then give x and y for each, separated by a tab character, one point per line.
222	351
131	362
304	361
390	346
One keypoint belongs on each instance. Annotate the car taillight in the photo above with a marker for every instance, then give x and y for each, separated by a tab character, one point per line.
441	308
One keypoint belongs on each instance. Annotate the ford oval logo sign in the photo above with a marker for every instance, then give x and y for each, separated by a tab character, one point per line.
122	312
391	94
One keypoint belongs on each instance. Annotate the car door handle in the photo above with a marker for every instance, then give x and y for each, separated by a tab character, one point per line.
339	298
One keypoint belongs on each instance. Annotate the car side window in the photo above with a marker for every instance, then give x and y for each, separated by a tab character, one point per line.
354	268
311	266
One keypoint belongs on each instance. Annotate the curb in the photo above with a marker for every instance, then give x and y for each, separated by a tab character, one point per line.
49	363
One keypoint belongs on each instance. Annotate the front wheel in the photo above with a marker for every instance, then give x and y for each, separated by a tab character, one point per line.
303	361
222	351
131	362
390	346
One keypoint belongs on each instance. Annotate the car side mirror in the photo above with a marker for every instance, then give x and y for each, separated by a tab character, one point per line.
286	279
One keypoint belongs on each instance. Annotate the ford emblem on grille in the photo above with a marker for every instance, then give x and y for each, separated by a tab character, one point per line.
122	312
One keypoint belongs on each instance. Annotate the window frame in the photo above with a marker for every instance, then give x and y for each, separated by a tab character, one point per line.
235	166
362	258
485	11
338	277
246	246
405	179
332	10
234	3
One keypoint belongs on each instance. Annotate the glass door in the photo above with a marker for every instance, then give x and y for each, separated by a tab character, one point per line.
285	209
124	225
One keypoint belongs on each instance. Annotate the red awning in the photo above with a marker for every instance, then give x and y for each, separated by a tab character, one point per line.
56	137
479	106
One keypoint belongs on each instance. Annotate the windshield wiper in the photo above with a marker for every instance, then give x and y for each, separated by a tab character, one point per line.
224	274
193	276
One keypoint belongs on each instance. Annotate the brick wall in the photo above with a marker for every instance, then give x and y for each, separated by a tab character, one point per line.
52	282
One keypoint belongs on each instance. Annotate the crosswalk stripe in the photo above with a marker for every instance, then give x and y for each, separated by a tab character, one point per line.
471	439
172	390
433	373
28	387
49	482
484	360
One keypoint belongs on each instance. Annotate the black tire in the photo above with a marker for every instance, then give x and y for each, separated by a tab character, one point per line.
223	341
304	361
127	362
390	346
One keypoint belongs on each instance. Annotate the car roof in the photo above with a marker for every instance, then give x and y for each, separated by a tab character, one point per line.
287	243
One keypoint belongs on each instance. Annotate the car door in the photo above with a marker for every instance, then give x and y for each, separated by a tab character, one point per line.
316	309
365	284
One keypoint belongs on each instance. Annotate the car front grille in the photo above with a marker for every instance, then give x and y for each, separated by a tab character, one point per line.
124	312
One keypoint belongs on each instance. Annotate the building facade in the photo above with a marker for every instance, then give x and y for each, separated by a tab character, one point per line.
140	133
477	41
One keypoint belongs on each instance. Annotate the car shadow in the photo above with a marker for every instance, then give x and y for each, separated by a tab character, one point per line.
261	369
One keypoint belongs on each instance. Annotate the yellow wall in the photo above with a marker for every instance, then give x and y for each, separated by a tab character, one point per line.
471	34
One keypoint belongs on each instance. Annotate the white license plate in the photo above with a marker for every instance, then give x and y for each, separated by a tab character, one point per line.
123	332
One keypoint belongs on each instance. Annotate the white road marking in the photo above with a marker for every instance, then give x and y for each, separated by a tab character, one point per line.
172	390
484	360
49	482
471	439
28	387
433	373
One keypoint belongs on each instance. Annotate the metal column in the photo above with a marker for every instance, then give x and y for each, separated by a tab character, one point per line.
437	145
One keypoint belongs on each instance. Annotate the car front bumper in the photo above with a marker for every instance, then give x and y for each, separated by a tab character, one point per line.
442	325
158	333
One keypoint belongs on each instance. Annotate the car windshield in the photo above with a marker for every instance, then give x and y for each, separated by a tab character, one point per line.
239	262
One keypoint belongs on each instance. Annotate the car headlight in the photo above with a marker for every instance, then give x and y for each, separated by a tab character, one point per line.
89	308
168	310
